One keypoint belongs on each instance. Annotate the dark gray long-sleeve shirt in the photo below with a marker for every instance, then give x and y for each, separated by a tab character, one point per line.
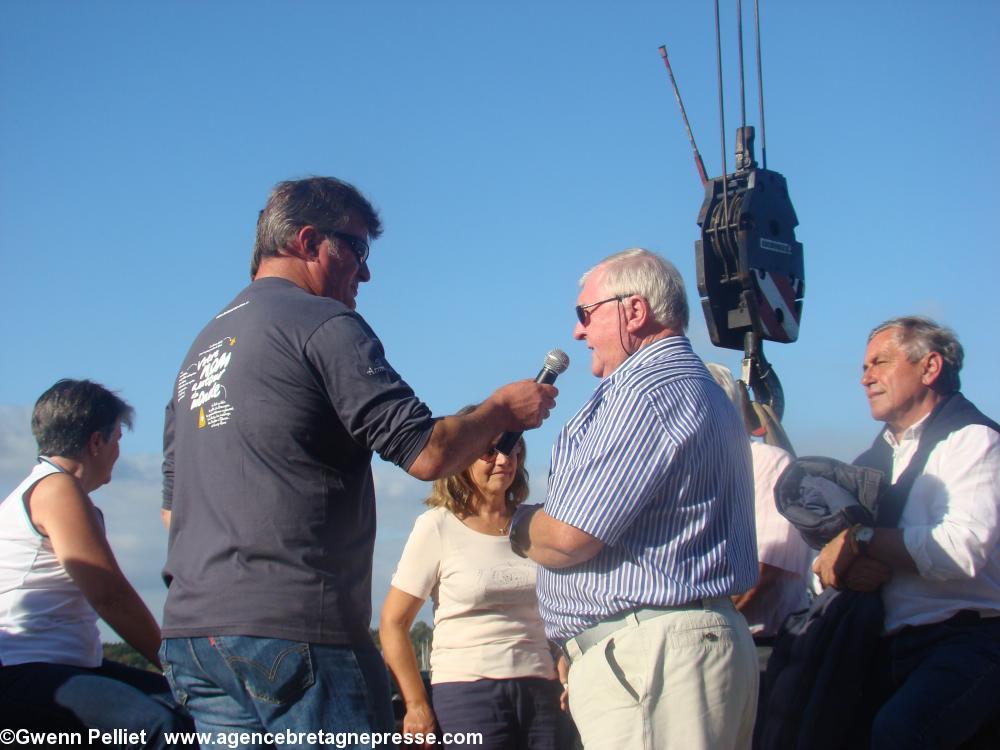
276	411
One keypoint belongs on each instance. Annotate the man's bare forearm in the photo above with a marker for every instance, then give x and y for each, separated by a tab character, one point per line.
554	544
457	441
887	546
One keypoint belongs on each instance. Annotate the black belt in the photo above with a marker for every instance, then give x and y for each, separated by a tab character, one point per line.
969	617
597	633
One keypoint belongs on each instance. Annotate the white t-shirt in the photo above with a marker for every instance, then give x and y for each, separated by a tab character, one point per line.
779	545
486	622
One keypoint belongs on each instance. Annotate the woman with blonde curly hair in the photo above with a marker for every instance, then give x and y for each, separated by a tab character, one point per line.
491	668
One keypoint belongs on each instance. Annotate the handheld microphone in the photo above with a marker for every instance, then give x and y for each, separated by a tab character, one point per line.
554	365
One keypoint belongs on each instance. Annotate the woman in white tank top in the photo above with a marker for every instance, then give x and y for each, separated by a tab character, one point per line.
58	575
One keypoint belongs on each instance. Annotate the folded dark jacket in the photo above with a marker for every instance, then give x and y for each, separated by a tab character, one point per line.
813	692
822	496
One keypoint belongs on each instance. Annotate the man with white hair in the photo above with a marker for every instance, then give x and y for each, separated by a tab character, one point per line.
933	551
648	530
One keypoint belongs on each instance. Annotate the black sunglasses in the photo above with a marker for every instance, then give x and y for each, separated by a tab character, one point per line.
582	311
357	245
490	456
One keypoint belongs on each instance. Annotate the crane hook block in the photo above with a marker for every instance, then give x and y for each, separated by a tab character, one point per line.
751	272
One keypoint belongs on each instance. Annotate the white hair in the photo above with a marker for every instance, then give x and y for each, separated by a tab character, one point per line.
646	274
721	374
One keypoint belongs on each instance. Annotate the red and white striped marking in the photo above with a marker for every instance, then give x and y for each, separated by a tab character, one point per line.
777	293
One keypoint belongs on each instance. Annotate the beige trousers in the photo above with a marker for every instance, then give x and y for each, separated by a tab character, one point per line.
686	680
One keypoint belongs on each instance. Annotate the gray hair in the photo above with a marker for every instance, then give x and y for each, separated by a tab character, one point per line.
918	336
646	274
323	202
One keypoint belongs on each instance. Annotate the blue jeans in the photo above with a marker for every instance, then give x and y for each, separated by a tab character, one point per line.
112	696
239	685
945	683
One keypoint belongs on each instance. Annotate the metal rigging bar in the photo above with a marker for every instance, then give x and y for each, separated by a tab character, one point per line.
760	87
739	38
722	110
698	163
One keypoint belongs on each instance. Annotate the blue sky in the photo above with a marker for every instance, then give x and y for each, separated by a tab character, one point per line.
508	147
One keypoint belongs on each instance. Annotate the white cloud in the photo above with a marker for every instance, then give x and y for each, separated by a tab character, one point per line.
17	446
393	485
399	500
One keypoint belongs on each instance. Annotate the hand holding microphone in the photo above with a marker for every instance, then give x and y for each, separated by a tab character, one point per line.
554	365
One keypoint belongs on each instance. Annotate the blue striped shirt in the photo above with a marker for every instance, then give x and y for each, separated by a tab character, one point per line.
657	466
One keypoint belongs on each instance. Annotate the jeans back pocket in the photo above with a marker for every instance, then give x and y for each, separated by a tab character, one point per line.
271	669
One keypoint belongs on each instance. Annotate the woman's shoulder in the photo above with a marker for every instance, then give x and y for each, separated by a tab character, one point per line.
433	518
56	493
58	486
439	525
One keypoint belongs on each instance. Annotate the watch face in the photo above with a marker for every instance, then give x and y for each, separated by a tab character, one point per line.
865	534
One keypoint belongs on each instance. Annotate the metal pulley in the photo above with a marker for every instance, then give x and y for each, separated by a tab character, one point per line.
750	268
751	274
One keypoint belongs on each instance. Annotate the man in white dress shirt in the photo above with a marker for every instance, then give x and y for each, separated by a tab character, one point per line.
939	565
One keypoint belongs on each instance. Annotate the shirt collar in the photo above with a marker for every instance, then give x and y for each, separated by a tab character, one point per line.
659	349
913	432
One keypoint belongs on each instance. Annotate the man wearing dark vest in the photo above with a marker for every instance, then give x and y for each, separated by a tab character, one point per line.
934	549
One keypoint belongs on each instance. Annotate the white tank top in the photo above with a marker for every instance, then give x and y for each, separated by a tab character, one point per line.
44	617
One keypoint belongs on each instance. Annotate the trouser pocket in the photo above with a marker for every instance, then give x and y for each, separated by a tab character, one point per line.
270	669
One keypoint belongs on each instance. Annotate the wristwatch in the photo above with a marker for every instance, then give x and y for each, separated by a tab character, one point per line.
862	536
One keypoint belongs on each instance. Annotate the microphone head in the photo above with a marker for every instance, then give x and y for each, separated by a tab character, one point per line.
556	361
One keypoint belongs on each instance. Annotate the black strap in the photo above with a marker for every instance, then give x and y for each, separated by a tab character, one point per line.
951	414
891	506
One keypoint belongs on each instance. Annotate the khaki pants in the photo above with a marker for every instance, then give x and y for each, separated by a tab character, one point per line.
684	680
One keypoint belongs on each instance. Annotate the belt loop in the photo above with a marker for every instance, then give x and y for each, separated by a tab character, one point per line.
568	650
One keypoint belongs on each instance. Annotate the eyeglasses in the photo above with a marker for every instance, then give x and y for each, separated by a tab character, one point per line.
490	456
583	311
357	245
